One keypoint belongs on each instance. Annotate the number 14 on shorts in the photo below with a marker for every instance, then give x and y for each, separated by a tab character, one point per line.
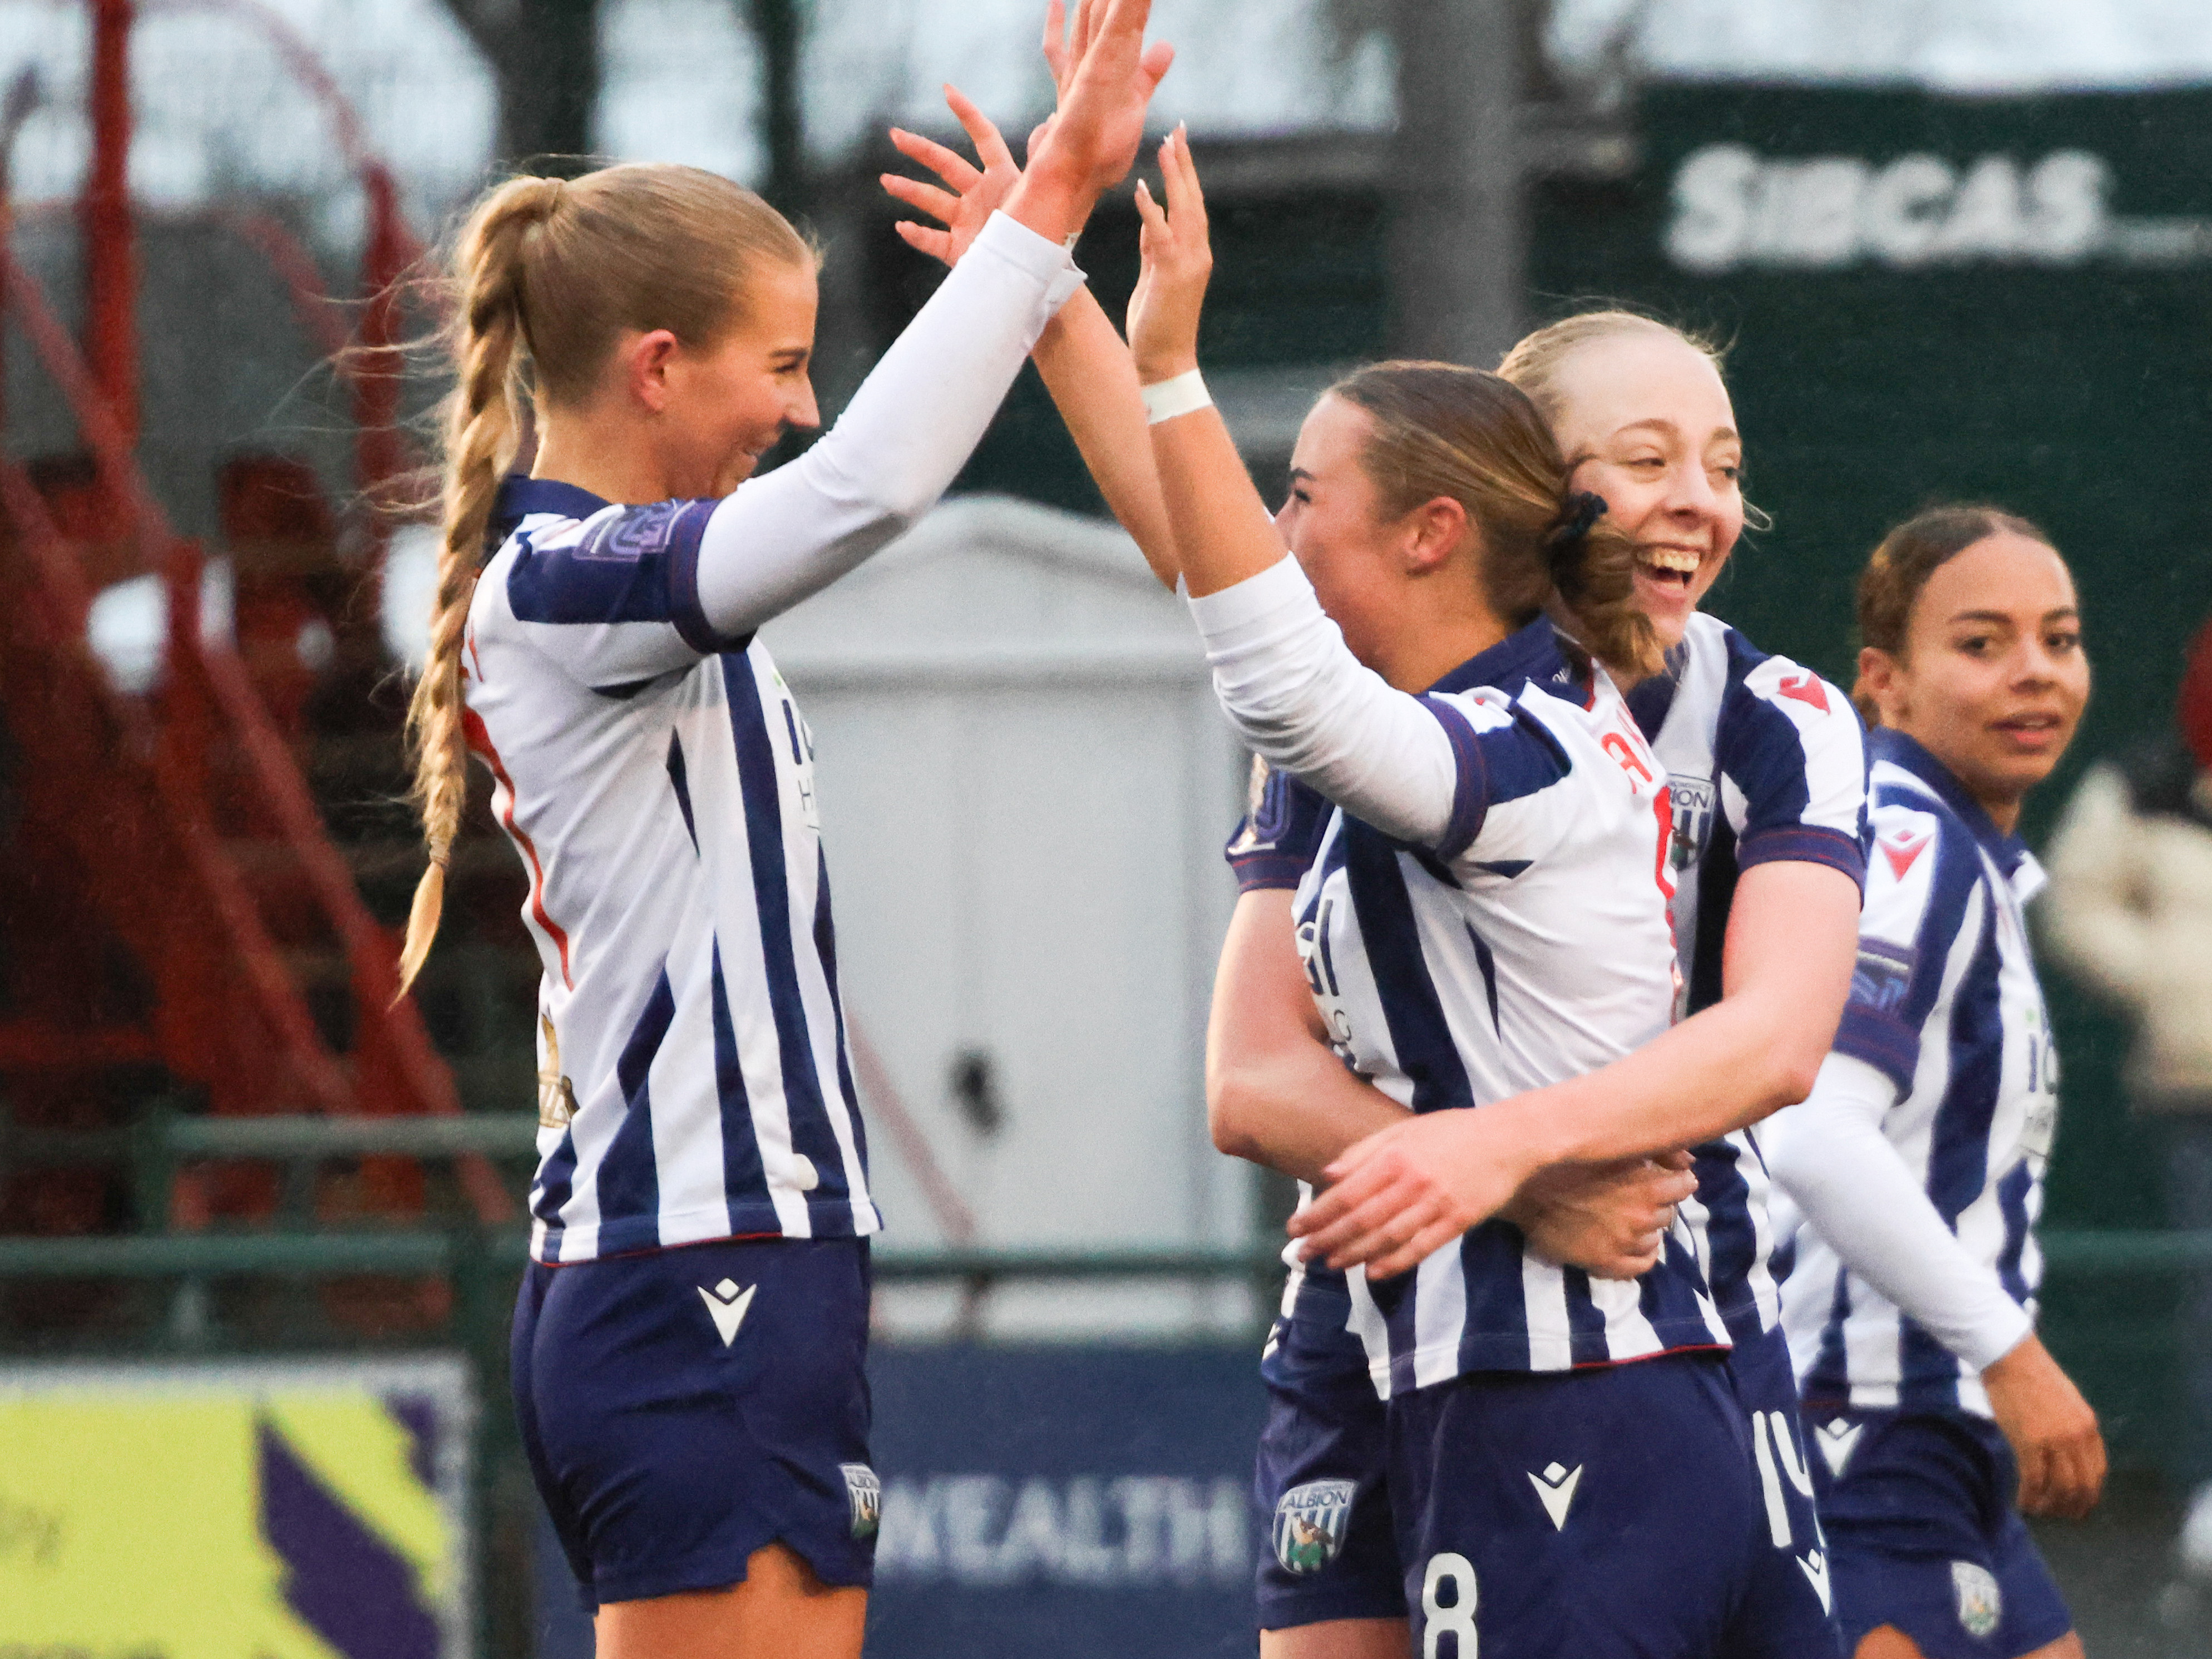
1448	1607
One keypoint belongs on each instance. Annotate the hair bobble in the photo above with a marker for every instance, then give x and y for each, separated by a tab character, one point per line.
1577	519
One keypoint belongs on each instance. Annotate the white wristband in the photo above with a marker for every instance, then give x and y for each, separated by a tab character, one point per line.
1169	398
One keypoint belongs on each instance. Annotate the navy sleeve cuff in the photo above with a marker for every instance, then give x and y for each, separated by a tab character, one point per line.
685	611
1260	871
1878	1040
1805	844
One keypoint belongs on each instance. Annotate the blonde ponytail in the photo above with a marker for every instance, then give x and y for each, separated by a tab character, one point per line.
546	276
484	429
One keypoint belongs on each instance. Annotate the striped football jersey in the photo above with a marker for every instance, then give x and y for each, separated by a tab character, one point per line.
1765	761
1945	1001
1531	947
658	782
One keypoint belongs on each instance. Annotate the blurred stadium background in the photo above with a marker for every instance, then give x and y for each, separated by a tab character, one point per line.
258	1236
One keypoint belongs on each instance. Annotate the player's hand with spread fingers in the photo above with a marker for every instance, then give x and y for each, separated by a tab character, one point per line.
1406	1191
972	194
1178	260
1609	1219
1093	138
2051	1429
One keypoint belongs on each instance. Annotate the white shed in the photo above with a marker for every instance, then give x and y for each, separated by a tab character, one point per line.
1025	783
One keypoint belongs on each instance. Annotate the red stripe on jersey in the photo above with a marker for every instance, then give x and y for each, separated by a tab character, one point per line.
480	740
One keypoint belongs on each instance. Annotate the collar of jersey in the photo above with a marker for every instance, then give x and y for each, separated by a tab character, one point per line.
1885	744
521	495
1530	654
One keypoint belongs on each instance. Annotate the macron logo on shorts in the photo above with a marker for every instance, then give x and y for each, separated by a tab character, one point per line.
1556	1487
727	1304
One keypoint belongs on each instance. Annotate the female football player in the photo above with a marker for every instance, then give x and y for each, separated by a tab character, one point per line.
1918	1161
1792	794
1466	932
696	1418
1765	765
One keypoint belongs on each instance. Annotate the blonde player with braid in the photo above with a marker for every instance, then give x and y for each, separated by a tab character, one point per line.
697	1418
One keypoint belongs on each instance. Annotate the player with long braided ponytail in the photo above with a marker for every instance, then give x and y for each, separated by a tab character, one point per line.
696	1418
484	429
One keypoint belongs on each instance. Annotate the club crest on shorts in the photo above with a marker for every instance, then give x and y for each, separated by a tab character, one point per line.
1310	1523
864	1494
1981	1604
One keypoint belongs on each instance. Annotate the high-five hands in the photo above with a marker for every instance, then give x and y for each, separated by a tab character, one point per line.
1093	138
1178	259
973	193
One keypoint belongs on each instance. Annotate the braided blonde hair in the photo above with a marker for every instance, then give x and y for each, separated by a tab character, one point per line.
547	276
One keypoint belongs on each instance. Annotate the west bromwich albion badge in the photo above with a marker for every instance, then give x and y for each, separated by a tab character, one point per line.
1310	1524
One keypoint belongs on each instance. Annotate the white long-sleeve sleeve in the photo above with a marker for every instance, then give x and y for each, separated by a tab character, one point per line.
901	441
1306	704
1831	1157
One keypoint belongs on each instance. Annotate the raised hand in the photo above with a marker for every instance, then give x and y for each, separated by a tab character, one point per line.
1178	259
1093	139
974	192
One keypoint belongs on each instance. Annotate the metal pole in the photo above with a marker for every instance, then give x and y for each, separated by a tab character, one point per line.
110	260
1458	242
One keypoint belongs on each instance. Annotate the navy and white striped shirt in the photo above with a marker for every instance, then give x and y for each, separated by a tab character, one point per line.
1945	1002
658	782
1529	947
1766	762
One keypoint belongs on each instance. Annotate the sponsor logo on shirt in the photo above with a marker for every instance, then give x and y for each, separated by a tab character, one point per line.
634	533
1880	977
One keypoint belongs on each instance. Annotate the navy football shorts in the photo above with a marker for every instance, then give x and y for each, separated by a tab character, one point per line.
1923	1534
1322	1479
1594	1514
685	1407
1794	1598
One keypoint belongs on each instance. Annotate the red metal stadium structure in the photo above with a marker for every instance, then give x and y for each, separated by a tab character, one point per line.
179	920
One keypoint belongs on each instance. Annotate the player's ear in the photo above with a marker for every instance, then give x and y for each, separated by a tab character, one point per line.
1880	682
645	362
1435	532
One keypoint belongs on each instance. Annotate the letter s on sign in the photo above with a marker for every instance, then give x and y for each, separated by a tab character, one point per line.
1713	196
2066	211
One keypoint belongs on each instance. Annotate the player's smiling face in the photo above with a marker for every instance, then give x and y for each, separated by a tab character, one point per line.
1646	422
730	402
1994	679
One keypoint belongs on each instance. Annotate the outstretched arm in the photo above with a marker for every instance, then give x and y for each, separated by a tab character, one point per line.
1080	355
920	415
1281	670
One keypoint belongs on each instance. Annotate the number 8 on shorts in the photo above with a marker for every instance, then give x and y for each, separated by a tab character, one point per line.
1454	1617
